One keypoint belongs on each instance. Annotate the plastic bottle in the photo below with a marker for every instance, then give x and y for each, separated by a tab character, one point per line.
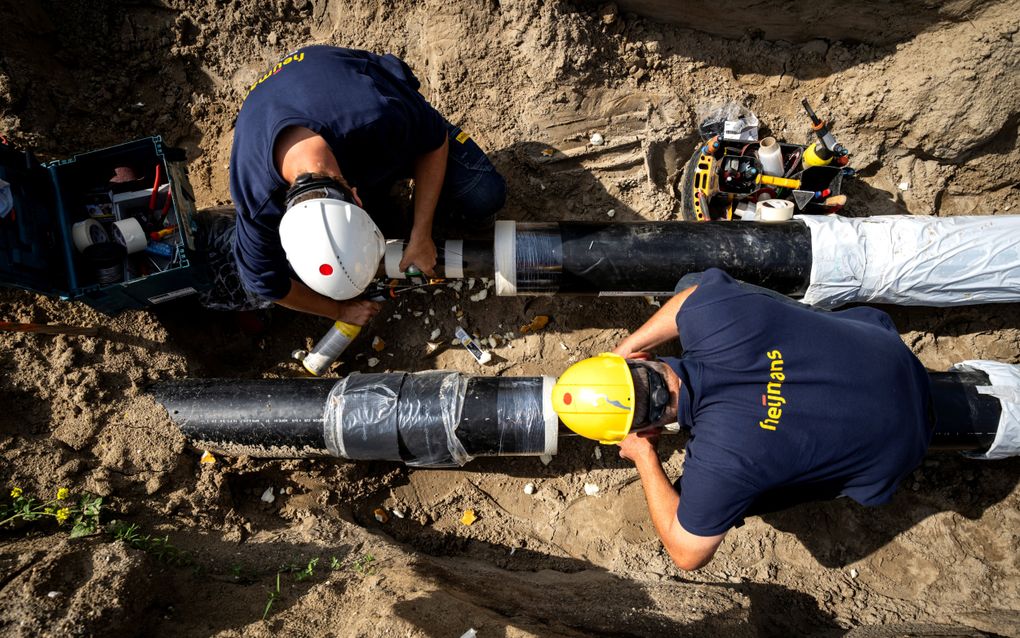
330	347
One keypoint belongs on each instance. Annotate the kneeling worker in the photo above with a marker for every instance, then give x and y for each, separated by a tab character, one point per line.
352	124
784	404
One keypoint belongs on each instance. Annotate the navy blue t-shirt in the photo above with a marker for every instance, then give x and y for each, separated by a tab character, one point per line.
787	404
367	108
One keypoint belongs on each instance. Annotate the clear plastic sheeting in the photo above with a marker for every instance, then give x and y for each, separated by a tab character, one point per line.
517	403
913	261
437	419
360	417
1004	384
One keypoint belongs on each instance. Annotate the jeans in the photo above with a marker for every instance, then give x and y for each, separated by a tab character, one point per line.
473	192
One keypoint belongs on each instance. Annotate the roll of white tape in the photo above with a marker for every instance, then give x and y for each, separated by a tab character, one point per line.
129	234
775	210
391	258
88	232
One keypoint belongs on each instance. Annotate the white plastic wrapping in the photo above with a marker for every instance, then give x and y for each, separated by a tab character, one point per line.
1004	385
913	261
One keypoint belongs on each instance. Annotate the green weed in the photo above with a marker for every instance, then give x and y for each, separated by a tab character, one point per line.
81	512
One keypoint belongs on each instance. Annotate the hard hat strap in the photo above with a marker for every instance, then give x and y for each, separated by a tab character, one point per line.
317	186
651	393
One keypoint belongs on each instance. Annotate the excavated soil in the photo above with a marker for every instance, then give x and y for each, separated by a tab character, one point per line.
927	99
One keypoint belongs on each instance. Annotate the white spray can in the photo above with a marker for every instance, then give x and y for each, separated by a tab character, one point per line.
330	347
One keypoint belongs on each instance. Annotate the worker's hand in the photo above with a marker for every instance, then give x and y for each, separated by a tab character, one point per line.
358	312
625	351
420	253
640	446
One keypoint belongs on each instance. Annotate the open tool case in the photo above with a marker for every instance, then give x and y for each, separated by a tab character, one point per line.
726	176
112	228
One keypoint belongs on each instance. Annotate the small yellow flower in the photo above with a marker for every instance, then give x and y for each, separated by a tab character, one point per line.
63	514
16	492
63	493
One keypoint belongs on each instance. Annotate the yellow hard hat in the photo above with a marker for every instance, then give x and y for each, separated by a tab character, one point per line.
595	398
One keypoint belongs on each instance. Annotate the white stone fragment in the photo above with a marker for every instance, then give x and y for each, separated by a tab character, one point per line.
372	362
479	296
529	488
611	212
597	139
591	489
267	496
435	334
903	186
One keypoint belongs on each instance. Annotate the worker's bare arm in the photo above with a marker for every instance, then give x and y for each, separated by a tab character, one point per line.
687	550
304	299
661	327
429	173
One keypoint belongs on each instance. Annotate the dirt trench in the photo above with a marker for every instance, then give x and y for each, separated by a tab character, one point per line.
926	99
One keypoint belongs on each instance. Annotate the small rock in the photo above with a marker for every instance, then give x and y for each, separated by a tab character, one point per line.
480	295
435	334
611	212
529	488
399	513
854	573
546	459
598	452
903	186
53	594
267	496
591	489
378	344
597	139
372	362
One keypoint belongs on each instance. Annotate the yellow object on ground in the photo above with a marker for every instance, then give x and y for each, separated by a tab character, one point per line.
595	398
539	322
468	517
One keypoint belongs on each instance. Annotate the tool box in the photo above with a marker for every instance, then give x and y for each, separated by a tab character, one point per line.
112	228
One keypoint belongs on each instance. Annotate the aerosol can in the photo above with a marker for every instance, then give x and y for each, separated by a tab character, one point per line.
329	348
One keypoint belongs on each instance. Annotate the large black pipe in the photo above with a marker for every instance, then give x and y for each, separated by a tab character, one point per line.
438	419
647	257
965	420
431	419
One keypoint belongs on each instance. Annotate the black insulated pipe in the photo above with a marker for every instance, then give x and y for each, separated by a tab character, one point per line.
965	420
442	419
647	257
427	419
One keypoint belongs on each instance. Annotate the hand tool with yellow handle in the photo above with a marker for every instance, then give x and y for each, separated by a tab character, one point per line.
781	182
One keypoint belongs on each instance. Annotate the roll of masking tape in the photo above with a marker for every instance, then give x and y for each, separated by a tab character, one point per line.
775	210
88	232
129	234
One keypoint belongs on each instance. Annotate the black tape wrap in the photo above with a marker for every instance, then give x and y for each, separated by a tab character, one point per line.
436	419
366	406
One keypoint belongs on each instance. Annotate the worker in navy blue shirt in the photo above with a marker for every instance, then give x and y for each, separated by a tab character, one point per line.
358	118
784	404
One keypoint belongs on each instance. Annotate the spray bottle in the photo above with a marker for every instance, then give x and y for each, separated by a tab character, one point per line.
826	149
329	348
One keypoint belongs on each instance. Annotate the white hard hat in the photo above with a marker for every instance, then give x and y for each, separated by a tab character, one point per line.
333	246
